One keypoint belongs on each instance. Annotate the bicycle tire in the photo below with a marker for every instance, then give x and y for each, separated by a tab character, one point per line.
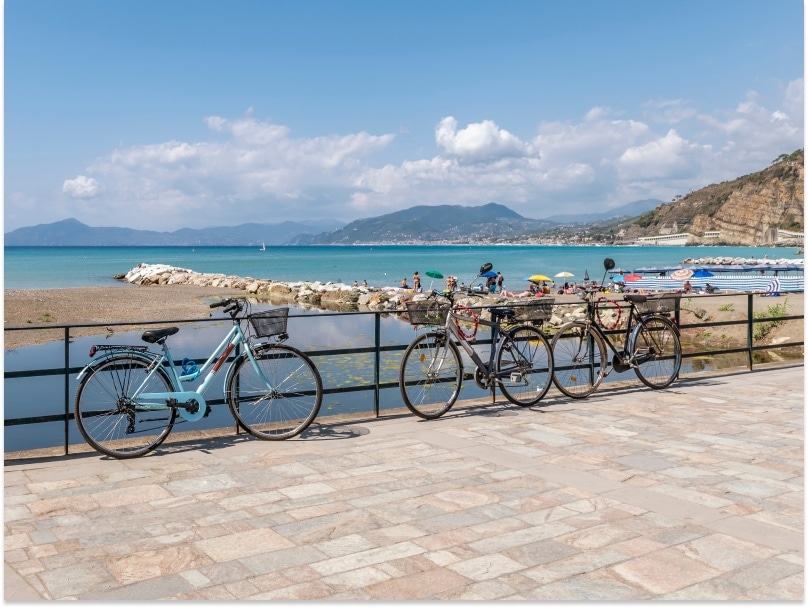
526	351
106	416
430	375
579	357
656	352
283	410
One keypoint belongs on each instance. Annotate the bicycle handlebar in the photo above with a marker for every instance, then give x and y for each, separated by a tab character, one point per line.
230	305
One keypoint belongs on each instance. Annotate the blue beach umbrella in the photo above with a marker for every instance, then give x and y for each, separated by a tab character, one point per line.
489	274
702	274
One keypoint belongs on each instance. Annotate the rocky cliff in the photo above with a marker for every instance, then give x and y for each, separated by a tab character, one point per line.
746	211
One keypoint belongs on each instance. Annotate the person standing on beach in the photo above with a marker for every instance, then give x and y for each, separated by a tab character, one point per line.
416	282
500	280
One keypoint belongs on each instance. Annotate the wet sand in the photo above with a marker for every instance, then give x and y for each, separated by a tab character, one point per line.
26	307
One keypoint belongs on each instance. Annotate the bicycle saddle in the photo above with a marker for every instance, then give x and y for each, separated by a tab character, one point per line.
637	298
155	335
501	312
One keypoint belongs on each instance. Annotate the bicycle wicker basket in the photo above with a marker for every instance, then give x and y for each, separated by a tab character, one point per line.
663	303
540	309
270	322
425	312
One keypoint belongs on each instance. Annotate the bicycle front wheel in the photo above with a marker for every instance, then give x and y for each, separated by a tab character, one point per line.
579	357
110	419
430	375
525	365
276	397
656	352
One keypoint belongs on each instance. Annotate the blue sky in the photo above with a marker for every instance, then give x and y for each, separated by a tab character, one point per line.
169	114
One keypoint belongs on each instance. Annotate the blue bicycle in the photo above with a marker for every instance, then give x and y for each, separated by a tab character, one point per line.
128	397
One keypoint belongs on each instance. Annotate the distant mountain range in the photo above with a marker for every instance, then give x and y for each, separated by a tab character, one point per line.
72	232
420	224
429	224
629	210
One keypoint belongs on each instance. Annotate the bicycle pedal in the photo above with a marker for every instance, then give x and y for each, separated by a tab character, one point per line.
208	410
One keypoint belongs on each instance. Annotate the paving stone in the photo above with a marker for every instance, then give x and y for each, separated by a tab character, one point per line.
691	493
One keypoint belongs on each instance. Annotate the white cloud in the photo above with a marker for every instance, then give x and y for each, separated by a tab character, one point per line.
666	157
478	141
254	170
82	187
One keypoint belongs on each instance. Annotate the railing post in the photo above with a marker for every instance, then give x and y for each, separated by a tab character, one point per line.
749	328
67	389
377	325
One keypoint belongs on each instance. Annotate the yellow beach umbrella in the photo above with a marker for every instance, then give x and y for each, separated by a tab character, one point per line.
536	278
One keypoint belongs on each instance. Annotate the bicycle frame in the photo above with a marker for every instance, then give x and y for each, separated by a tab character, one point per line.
190	404
625	357
496	342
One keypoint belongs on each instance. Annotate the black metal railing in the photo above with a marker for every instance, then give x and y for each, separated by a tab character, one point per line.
68	371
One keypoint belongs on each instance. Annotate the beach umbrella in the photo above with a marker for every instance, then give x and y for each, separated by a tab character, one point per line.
564	274
773	287
702	274
633	277
433	274
618	271
619	279
488	274
682	274
538	278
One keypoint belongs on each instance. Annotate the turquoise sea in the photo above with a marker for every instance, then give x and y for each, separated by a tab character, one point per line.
380	265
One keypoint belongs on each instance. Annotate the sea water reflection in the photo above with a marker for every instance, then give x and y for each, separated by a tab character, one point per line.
313	331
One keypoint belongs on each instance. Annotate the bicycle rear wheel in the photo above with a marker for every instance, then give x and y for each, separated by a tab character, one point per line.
107	416
526	356
579	357
656	352
430	375
279	396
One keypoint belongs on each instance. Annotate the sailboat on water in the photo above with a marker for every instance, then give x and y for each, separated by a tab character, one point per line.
263	247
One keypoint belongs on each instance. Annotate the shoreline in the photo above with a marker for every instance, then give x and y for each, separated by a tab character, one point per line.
139	303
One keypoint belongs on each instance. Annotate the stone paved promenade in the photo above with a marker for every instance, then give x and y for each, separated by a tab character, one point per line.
695	492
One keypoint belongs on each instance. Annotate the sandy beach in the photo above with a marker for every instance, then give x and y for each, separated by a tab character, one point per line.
24	307
167	302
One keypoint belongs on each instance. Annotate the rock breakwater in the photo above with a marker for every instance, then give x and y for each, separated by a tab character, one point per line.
738	261
329	296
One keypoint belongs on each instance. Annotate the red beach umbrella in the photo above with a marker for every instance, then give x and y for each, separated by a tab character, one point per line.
632	277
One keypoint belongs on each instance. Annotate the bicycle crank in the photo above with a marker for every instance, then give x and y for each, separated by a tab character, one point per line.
190	404
480	380
619	364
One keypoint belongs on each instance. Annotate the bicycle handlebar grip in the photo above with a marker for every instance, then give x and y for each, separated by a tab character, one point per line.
218	304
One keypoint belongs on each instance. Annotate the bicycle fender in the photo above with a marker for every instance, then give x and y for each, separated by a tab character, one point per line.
146	357
636	330
231	370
